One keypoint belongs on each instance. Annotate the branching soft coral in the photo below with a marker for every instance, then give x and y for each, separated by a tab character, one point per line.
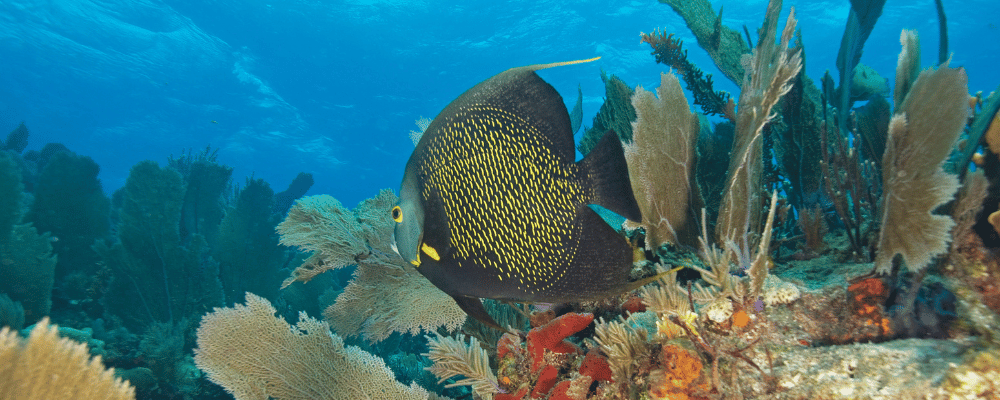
770	69
386	294
454	357
46	366
669	51
723	44
921	134
662	159
255	355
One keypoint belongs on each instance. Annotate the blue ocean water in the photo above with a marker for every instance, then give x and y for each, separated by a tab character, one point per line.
333	88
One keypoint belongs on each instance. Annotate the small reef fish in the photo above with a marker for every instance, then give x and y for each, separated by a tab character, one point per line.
493	204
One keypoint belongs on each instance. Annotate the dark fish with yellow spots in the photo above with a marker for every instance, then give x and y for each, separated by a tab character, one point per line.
493	204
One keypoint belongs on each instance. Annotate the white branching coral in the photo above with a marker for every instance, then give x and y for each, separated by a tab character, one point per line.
453	357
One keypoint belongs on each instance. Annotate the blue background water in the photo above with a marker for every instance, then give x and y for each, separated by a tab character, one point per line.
334	87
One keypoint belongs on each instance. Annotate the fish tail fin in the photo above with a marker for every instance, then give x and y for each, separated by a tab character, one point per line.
606	173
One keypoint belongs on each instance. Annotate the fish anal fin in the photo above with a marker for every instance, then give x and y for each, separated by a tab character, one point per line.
474	307
606	173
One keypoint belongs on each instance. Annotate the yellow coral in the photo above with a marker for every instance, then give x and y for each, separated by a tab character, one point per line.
671	330
255	355
48	367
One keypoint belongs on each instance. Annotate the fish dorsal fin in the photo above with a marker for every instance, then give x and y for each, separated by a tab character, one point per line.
522	93
537	67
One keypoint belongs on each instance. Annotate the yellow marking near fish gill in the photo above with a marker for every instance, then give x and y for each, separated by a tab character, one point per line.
430	252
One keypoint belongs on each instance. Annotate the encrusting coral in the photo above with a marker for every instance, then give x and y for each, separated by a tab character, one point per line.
678	376
533	370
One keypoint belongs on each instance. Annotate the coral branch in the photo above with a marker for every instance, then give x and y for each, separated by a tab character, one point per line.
669	51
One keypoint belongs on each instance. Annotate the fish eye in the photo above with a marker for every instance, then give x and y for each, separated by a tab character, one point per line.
397	214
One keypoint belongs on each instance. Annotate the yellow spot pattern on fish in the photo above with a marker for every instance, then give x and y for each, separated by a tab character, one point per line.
509	199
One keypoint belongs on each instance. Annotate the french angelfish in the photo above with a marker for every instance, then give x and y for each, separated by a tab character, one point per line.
493	204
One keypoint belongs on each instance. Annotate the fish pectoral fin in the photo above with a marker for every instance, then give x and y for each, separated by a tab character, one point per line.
474	307
607	177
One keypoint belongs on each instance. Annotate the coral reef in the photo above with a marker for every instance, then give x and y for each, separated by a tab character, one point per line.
662	158
453	357
70	204
537	368
11	313
869	272
385	295
921	134
616	114
168	276
17	139
336	237
770	67
26	260
669	51
724	45
205	182
247	245
255	355
298	188
48	367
